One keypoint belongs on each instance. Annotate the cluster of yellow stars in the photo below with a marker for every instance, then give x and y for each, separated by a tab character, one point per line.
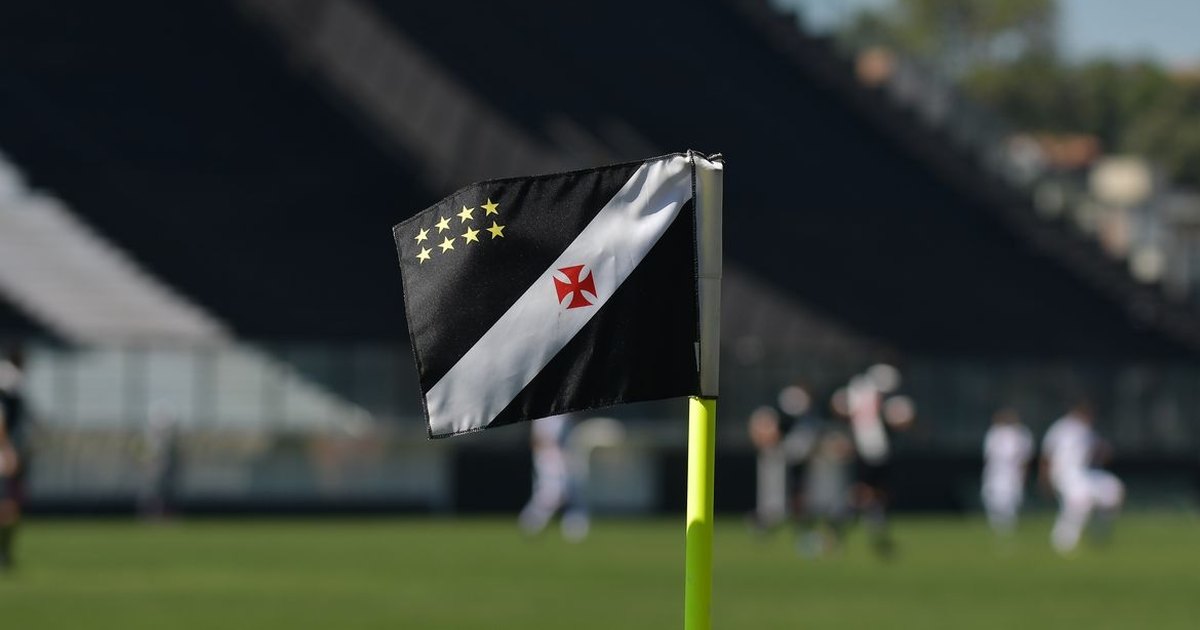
470	236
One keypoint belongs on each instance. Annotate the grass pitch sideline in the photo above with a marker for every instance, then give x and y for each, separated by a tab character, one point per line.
438	573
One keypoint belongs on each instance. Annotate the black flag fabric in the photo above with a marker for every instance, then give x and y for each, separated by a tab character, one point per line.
534	296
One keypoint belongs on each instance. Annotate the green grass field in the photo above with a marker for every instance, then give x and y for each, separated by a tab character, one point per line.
481	574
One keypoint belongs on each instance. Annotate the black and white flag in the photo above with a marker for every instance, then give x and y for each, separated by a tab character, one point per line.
533	296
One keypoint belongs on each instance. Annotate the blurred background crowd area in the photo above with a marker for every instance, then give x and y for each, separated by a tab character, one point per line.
196	202
1093	107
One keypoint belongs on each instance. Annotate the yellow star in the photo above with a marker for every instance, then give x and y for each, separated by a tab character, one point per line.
424	255
465	215
422	235
470	237
447	244
490	208
443	225
496	230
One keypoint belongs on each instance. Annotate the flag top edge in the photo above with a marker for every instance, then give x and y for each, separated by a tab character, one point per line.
518	178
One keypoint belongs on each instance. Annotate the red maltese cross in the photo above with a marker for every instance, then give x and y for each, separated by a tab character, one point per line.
574	286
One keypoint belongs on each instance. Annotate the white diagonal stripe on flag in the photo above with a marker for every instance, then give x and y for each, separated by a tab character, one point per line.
526	337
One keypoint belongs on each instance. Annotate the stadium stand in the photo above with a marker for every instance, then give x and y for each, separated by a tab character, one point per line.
254	153
162	125
182	135
81	286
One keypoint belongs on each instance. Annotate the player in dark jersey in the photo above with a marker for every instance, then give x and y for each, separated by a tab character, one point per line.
874	419
16	434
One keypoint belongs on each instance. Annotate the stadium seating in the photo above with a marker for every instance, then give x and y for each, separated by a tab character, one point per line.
254	154
164	127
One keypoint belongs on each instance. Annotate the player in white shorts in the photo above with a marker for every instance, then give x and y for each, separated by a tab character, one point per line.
1007	447
553	487
1068	452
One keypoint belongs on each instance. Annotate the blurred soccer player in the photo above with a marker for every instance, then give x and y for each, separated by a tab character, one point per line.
1007	447
817	479
552	483
583	440
770	508
823	507
785	437
1069	451
13	414
801	430
870	422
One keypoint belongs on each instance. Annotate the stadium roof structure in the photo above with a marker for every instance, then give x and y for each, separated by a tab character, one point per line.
255	153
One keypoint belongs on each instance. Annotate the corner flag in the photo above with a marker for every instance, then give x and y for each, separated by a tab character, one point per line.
533	296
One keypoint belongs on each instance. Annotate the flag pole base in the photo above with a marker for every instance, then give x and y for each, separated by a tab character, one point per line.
697	608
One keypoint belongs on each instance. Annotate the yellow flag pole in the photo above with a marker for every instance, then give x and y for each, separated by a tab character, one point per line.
697	607
708	175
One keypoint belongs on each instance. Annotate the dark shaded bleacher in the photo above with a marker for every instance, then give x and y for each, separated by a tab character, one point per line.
181	132
820	199
15	323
